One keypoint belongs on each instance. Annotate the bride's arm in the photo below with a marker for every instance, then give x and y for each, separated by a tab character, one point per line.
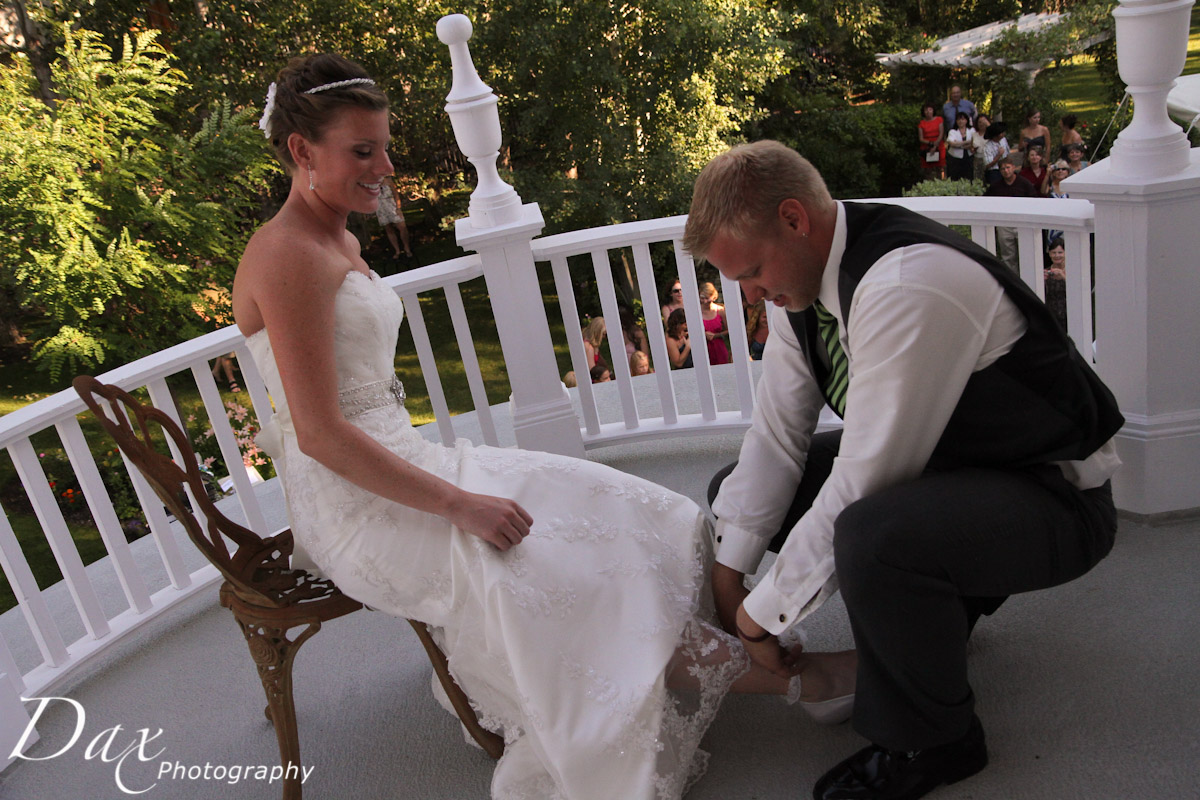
296	302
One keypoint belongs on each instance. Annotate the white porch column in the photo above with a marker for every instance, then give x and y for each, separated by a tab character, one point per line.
1147	201
500	228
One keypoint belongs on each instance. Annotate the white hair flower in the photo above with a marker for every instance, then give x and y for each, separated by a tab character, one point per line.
265	122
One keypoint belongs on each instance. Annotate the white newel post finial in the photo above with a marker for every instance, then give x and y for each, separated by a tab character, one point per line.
1146	197
474	115
1152	42
501	229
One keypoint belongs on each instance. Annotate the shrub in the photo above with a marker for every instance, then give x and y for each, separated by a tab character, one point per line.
941	187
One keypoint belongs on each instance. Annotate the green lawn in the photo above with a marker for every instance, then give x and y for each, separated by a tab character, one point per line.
1080	88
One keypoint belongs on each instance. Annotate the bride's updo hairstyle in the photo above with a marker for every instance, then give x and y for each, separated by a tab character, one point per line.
293	111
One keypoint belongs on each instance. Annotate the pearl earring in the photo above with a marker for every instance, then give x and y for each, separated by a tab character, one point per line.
311	187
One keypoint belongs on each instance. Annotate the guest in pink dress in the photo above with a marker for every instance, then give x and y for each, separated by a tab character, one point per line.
716	327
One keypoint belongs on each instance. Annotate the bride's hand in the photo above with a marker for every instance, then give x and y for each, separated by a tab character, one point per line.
497	520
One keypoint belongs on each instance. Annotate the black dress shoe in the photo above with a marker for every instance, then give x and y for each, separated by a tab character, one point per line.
875	773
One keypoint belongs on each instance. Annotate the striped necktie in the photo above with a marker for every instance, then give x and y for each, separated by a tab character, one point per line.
836	383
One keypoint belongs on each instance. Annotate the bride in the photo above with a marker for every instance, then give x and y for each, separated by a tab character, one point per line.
566	594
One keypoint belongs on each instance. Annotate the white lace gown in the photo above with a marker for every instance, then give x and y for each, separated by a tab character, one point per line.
563	642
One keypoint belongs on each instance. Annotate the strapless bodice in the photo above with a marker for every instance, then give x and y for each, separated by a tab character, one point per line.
367	317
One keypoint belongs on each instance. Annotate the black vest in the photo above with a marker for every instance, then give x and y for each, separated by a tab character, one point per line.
1039	402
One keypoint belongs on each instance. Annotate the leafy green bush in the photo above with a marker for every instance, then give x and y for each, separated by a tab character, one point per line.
941	187
121	236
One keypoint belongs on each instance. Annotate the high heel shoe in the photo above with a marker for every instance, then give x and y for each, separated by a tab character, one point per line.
834	711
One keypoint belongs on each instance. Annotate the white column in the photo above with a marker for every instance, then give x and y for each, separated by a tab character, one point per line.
1147	201
500	228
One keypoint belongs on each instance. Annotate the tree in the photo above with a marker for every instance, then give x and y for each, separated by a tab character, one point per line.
119	233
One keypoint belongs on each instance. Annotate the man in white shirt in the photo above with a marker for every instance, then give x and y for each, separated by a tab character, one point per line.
973	462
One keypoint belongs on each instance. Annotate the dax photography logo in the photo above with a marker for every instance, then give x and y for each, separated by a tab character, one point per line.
115	746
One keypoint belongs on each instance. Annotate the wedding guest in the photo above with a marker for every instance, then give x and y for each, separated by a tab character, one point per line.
1035	171
632	333
673	300
569	380
931	136
1058	171
679	347
593	337
973	461
716	325
1033	132
223	367
757	328
601	374
1075	159
957	104
1069	135
978	141
471	540
639	364
994	149
960	149
1010	185
1055	282
389	216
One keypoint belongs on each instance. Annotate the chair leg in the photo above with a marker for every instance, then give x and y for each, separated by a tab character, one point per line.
273	654
491	743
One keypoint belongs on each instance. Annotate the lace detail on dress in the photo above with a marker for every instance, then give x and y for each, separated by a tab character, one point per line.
521	462
636	491
553	602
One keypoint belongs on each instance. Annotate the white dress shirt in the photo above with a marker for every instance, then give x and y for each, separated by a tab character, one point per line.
923	319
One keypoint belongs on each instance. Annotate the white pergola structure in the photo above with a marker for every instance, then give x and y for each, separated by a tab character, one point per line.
957	51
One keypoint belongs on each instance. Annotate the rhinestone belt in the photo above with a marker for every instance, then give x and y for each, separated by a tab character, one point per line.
371	396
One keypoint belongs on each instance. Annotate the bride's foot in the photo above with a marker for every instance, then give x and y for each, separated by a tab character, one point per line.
824	685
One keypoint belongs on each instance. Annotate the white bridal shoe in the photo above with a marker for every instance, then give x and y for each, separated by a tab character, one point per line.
826	712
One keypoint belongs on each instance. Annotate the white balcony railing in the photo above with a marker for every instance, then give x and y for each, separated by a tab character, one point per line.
39	669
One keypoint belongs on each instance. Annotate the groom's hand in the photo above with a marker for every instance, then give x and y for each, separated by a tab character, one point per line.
729	590
767	653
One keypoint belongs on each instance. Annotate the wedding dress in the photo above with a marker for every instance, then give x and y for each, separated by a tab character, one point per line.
562	642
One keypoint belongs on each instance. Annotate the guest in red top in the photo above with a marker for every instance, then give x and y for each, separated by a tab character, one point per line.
931	133
1035	170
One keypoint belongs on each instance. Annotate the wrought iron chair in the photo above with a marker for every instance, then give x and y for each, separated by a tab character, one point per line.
268	598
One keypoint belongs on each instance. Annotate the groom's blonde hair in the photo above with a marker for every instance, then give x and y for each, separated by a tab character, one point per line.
739	191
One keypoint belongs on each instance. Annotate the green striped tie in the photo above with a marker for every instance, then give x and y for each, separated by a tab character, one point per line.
838	379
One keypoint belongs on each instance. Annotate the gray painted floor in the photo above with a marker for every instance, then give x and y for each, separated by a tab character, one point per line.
1086	691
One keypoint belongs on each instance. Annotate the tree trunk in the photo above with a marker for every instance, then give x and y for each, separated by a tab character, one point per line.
38	57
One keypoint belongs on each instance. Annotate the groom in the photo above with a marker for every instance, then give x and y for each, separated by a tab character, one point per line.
973	462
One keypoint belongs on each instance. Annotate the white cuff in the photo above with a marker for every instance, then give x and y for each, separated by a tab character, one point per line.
777	612
739	549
